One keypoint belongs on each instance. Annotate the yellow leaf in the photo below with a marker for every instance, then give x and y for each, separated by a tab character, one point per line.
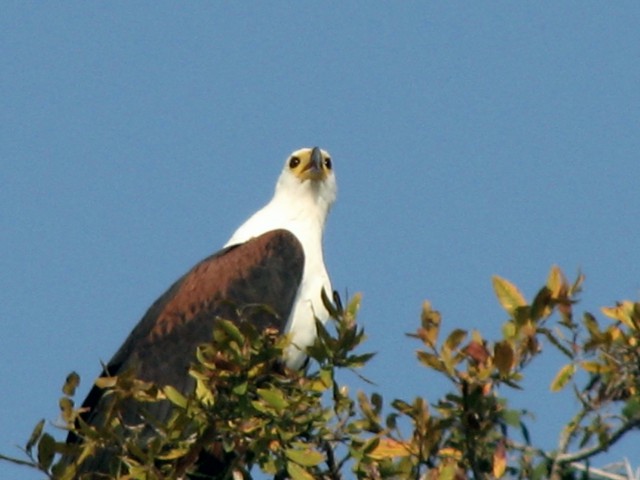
297	472
447	472
430	360
556	281
106	382
595	367
66	409
354	305
508	294
389	448
562	377
499	460
203	392
509	329
455	338
70	385
306	458
503	357
451	453
35	436
430	320
173	454
615	333
624	312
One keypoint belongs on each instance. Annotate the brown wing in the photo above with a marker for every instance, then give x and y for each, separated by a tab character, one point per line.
266	270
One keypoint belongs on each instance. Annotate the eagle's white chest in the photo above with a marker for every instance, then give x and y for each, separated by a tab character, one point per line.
307	305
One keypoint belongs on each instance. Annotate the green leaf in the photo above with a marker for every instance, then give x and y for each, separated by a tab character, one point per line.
391	421
175	396
632	408
306	457
525	433
512	417
324	337
562	377
370	445
240	389
71	383
508	294
366	407
357	361
297	472
174	454
275	398
376	400
541	306
230	329
592	324
46	451
402	406
204	353
35	436
329	305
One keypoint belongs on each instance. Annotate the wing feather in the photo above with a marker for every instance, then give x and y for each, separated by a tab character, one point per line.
266	270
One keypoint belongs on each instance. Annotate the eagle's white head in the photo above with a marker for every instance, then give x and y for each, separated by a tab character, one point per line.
308	178
304	194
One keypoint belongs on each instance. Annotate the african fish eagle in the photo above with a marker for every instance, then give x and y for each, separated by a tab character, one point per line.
274	259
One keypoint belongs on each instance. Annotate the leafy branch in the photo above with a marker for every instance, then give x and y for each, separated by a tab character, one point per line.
247	412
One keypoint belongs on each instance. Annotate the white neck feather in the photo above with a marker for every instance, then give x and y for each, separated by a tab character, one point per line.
300	207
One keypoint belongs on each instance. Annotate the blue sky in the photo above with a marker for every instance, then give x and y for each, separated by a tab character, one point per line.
468	139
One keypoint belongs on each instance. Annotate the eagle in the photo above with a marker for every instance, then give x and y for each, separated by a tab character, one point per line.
274	259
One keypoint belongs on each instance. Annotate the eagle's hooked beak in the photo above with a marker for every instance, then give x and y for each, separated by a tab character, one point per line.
316	158
313	170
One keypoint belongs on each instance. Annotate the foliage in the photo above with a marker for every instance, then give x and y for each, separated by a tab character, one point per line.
251	414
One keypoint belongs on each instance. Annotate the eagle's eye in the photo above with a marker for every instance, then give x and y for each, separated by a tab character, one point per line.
327	163
294	162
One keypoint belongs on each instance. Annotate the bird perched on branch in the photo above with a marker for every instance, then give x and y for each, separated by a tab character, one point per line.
274	259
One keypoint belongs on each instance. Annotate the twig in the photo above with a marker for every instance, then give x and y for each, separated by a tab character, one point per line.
598	472
334	469
585	453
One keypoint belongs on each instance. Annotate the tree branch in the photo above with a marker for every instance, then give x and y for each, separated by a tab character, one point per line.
598	472
585	453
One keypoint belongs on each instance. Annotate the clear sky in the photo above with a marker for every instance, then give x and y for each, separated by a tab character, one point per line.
468	139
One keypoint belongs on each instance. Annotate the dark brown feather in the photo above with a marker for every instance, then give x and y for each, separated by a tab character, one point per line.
266	270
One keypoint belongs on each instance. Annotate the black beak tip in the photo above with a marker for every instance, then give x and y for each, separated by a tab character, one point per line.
316	157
